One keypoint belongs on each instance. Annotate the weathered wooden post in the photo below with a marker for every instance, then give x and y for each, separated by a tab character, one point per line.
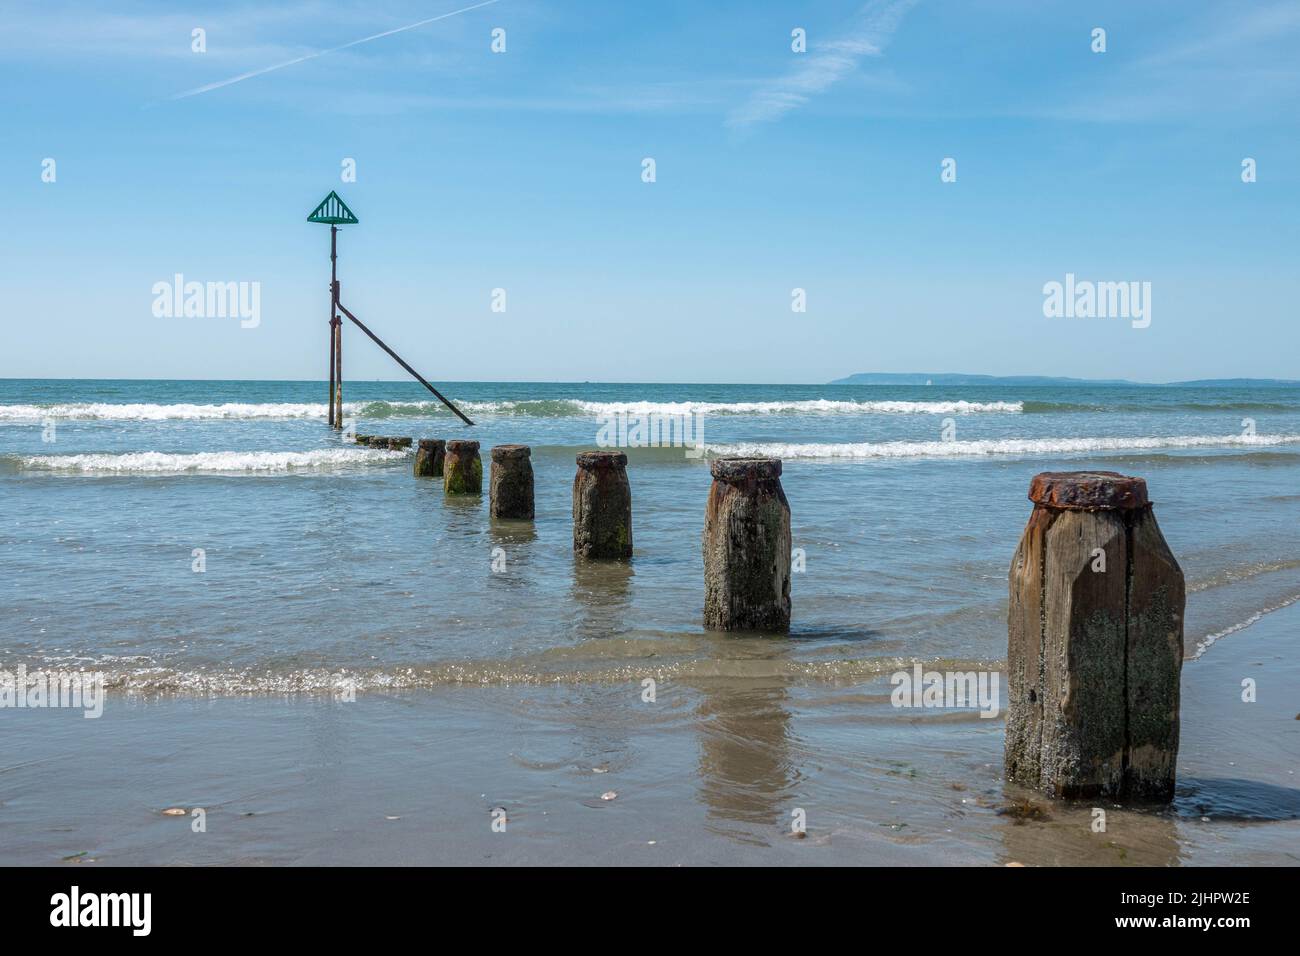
602	506
510	490
462	471
390	442
747	547
429	457
1095	643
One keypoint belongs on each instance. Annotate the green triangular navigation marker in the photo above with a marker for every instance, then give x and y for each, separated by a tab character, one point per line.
333	210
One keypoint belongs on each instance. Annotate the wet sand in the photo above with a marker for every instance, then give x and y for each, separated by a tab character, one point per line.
710	773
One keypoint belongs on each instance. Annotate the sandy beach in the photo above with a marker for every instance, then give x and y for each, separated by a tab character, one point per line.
708	774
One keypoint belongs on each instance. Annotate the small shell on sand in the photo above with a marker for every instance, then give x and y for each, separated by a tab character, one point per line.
608	795
174	812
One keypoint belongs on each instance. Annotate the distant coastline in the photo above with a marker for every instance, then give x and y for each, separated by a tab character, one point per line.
951	378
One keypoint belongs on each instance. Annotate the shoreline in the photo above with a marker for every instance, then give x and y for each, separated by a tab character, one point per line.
233	617
708	774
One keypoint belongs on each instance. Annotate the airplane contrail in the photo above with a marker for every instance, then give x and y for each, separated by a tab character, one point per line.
311	56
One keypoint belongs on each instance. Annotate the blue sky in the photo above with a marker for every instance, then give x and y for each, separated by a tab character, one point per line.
775	170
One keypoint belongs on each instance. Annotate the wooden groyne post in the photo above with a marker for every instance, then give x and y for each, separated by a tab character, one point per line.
1095	643
510	489
602	506
389	442
429	458
747	547
462	469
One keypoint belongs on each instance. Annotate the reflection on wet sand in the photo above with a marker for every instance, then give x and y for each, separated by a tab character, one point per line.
747	772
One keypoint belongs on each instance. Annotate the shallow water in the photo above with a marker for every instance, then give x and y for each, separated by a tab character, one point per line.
330	566
712	772
326	561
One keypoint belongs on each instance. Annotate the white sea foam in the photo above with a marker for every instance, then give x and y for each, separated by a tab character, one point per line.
212	462
818	406
1211	639
993	446
549	407
523	671
150	412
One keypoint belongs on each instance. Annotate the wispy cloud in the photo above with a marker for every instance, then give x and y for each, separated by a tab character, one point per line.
824	65
1245	31
1234	63
37	29
209	87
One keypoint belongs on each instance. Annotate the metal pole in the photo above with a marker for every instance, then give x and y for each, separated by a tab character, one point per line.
378	341
334	318
338	367
336	373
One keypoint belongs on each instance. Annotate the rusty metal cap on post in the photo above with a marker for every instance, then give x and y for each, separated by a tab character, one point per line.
462	446
510	452
602	459
745	469
1088	491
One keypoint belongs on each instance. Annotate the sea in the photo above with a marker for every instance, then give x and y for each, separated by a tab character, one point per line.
216	540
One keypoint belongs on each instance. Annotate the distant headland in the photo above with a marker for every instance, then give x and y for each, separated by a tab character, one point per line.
950	378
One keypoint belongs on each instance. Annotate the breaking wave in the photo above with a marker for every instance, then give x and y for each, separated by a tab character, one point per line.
212	462
1210	640
152	680
1155	405
102	411
819	406
538	408
994	446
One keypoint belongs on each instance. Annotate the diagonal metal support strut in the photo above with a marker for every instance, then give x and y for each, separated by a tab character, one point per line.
418	377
